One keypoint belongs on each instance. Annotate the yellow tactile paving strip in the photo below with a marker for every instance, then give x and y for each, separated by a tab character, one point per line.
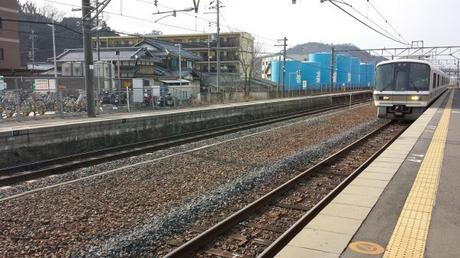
409	236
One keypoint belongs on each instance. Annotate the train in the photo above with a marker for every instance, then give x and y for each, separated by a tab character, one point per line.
405	88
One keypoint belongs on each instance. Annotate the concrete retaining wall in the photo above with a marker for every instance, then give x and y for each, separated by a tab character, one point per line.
29	145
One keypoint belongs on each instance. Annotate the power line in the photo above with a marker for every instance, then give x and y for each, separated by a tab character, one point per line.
386	21
159	23
164	24
128	16
40	22
365	24
380	27
213	22
30	33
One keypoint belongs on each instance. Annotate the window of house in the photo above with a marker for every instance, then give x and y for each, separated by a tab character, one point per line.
2	57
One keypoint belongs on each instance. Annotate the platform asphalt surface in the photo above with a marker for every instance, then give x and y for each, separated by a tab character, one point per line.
444	231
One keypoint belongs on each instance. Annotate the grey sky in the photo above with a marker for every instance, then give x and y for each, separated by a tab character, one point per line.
434	21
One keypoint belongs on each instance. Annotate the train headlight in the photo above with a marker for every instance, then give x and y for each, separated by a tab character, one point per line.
415	98
384	98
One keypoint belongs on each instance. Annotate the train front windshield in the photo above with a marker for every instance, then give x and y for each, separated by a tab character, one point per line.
404	76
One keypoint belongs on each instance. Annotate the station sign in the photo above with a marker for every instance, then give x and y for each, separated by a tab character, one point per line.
298	77
2	83
44	85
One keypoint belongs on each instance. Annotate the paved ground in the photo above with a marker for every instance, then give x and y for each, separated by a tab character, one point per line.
380	223
416	212
444	233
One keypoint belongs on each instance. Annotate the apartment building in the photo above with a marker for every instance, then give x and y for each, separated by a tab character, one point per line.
9	37
235	48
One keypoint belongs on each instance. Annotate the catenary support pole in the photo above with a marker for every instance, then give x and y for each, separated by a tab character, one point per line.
332	69
88	51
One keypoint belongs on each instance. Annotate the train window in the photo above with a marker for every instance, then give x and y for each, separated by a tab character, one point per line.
403	76
438	80
434	80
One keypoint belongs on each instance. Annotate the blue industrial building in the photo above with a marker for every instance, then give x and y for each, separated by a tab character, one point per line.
324	60
355	73
343	71
367	75
348	71
293	74
311	74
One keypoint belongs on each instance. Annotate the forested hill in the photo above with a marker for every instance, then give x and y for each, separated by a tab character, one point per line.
302	51
67	36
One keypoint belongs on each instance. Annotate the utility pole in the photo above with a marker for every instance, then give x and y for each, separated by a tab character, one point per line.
458	73
217	7
98	44
209	55
32	37
279	71
284	63
218	43
98	51
332	68
180	64
53	30
88	51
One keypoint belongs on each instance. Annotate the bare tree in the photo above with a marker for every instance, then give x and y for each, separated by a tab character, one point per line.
45	12
248	62
52	13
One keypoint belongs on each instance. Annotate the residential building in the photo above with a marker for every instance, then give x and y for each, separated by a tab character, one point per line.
9	37
235	48
168	54
150	59
266	65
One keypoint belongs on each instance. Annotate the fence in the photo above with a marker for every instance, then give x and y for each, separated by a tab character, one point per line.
34	98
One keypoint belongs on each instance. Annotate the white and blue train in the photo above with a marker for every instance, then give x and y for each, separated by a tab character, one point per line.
404	88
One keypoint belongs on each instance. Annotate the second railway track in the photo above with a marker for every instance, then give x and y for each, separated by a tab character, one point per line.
263	227
20	173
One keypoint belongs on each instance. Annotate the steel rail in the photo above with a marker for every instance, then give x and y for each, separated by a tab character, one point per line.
286	237
12	175
188	248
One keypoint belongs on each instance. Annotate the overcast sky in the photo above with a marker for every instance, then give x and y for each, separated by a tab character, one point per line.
434	21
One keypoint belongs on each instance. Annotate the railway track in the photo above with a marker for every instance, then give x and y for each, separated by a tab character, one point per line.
17	174
266	225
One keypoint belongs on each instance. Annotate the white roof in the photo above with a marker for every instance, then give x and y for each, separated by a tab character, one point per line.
433	67
405	60
175	81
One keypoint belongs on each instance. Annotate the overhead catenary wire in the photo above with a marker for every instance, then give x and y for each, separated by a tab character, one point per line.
375	23
128	16
158	23
213	22
39	22
386	21
367	25
30	33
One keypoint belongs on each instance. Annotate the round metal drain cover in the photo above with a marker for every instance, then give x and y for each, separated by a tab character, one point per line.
364	247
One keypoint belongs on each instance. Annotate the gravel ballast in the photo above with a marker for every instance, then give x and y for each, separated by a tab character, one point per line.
112	213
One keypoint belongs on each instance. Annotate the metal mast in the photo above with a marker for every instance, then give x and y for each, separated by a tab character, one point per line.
89	66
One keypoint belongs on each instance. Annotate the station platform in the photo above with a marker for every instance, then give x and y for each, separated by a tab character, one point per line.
405	204
12	125
37	140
